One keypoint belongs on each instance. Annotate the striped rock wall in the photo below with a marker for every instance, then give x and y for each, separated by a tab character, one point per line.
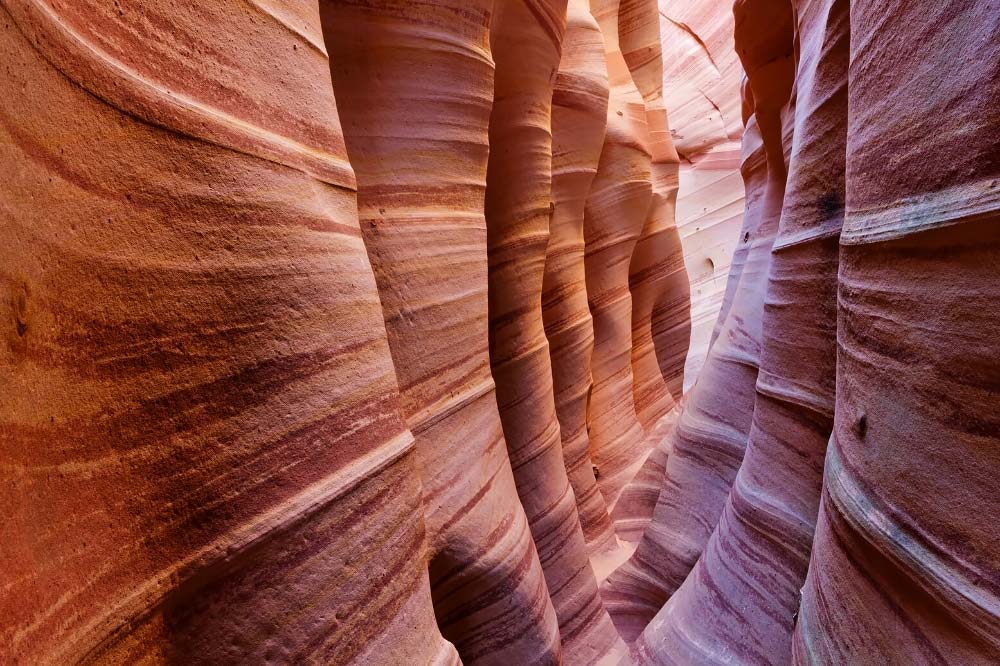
579	109
742	596
526	38
710	437
354	332
203	452
904	565
406	101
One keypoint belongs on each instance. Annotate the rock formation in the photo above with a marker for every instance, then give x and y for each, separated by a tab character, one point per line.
425	232
203	454
702	93
661	321
742	597
904	565
579	108
710	437
358	332
526	39
615	213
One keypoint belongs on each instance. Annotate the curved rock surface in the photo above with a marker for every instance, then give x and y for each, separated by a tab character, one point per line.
355	332
710	437
526	39
200	429
742	596
904	566
579	109
615	213
425	232
701	78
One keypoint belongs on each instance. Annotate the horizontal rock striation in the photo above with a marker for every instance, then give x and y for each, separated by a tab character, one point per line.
742	596
526	40
203	453
579	108
904	566
404	100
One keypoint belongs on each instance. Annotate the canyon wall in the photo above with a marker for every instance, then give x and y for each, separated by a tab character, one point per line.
204	457
701	91
358	332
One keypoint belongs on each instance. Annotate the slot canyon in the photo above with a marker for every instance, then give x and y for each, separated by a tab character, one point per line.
500	332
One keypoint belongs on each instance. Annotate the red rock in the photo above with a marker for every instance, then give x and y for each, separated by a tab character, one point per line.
579	109
526	42
203	455
711	435
615	213
425	232
741	598
904	566
701	74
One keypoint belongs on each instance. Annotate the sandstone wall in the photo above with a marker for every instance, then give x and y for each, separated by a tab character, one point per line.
357	332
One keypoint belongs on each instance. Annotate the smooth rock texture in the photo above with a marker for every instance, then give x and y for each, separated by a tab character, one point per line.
740	600
407	101
904	567
614	216
358	332
701	88
203	454
661	303
579	109
710	437
526	40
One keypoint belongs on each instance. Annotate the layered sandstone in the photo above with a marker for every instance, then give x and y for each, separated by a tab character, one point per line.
904	565
203	453
357	332
425	232
526	40
701	74
579	108
658	282
710	437
615	213
742	596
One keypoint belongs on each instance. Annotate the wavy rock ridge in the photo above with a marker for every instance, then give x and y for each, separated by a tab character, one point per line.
358	332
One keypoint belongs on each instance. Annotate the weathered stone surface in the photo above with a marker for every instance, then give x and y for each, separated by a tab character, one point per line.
741	598
702	75
661	305
356	332
579	109
904	567
710	437
405	101
202	455
526	39
615	213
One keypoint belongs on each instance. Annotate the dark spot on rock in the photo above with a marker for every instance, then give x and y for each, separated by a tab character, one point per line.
746	237
597	472
20	302
830	205
861	425
619	113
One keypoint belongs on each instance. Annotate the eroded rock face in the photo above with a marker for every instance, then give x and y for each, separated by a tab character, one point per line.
526	39
204	457
579	108
742	596
615	214
710	437
354	332
701	90
407	102
904	565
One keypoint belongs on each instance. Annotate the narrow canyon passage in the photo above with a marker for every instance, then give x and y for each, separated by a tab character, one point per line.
500	332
